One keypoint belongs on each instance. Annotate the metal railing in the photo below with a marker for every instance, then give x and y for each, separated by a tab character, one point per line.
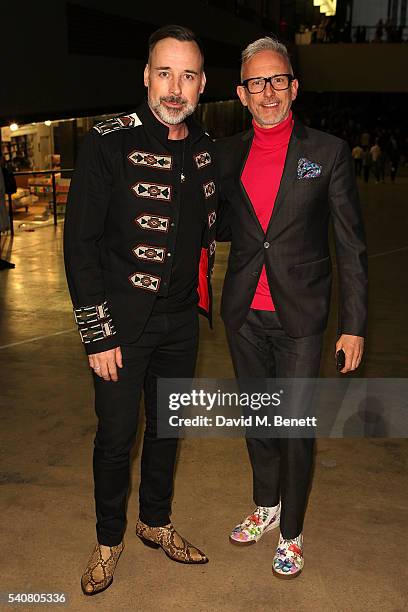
54	191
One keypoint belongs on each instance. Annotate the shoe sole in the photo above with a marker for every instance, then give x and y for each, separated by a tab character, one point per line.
239	543
286	577
154	545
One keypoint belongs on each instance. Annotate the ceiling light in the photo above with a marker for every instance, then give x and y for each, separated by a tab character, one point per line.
326	6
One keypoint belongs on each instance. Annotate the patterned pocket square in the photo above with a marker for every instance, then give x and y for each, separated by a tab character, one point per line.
307	169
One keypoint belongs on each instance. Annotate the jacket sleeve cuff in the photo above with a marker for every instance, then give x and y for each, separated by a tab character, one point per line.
101	345
353	330
96	328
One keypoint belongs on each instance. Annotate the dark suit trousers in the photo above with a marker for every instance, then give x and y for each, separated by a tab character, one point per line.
166	349
282	468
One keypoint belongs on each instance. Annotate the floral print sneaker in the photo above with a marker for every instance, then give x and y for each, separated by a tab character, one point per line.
253	527
288	560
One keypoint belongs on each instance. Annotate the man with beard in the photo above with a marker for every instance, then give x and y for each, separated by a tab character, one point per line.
280	184
139	241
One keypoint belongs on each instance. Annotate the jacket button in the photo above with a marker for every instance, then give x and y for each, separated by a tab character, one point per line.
172	224
266	245
168	254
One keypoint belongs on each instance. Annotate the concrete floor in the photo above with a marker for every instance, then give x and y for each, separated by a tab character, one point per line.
356	525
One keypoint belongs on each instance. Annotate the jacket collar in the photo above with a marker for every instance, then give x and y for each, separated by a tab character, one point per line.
161	131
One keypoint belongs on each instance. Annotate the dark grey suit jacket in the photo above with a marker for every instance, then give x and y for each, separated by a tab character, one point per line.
317	184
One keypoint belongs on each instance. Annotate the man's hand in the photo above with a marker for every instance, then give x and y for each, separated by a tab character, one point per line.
353	347
104	364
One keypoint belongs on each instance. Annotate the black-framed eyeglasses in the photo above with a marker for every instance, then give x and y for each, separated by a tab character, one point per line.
279	82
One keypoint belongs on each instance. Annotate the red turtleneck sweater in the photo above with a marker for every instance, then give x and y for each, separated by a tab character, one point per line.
261	179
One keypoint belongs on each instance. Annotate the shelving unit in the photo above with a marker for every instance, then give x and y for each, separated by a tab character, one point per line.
40	185
19	152
62	188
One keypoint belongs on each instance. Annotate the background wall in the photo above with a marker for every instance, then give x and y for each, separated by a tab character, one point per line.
368	12
69	59
40	74
353	67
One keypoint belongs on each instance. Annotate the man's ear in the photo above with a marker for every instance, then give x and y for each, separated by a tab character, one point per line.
146	75
242	95
294	89
203	82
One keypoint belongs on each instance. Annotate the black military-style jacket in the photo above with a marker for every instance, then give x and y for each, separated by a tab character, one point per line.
121	225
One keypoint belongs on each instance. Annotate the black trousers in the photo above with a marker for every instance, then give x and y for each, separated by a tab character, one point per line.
281	468
166	349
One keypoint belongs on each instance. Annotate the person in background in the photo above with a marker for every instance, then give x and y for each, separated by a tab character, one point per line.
394	156
321	31
389	30
375	153
382	160
7	187
365	139
379	31
366	163
4	217
357	155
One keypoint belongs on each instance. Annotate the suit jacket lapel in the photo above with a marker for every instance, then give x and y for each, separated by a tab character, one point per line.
242	156
289	173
